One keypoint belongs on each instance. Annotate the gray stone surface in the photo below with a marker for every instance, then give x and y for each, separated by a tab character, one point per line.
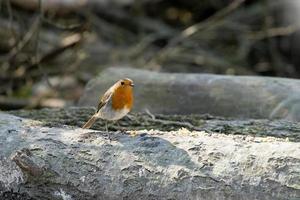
71	163
229	96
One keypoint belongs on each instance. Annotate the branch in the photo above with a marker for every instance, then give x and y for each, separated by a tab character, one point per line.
24	41
196	28
273	32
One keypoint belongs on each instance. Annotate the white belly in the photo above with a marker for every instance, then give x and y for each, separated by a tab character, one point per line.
106	113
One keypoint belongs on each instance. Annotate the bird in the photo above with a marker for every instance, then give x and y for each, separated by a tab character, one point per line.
116	102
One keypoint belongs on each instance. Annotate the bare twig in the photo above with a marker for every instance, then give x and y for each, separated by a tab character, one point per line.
209	22
10	15
177	123
276	58
69	27
24	41
38	31
274	32
37	58
133	24
220	15
174	123
67	43
147	111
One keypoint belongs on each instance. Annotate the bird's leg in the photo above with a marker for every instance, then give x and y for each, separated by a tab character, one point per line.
106	128
130	117
119	127
117	123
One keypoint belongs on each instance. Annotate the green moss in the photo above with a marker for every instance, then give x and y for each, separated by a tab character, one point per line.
24	91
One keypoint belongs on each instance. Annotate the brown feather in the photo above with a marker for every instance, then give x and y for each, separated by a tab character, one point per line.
107	95
90	123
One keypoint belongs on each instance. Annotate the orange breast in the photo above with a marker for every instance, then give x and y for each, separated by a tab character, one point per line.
122	98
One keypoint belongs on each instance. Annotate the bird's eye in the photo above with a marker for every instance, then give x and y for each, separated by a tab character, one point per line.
122	83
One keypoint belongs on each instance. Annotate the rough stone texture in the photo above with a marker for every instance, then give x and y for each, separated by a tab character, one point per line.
229	96
66	162
77	116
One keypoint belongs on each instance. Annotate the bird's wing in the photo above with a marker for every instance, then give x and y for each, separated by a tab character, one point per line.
106	97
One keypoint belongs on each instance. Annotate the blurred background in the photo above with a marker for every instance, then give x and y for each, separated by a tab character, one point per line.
49	49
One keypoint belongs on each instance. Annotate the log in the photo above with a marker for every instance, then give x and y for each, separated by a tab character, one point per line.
66	162
219	95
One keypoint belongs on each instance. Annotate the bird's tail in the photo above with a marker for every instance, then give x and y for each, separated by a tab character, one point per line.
90	123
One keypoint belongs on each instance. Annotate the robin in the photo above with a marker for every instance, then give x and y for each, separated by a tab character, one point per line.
116	102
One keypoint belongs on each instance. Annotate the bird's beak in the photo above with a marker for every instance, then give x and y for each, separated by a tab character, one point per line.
131	84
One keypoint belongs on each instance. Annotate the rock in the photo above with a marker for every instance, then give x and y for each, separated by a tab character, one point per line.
77	116
228	96
64	162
